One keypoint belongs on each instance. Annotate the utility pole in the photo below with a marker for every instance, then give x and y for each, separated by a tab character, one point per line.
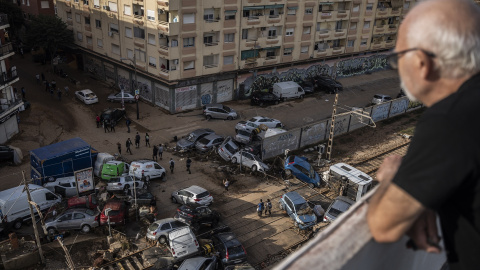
332	128
70	264
37	238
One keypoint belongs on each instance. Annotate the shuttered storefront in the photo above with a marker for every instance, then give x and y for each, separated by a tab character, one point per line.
206	95
185	98
224	90
162	96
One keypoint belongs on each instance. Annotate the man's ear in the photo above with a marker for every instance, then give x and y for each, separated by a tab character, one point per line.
424	65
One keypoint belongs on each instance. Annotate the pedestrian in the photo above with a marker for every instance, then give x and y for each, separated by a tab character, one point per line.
226	183
155	152
97	119
189	163
66	90
106	125
112	125
119	146
47	86
51	92
54	84
137	140
147	140
128	122
443	73
268	208
144	179
38	78
160	151
172	165
127	145
59	94
23	92
43	77
260	208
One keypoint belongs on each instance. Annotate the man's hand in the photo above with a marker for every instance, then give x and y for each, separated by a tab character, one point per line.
389	168
424	232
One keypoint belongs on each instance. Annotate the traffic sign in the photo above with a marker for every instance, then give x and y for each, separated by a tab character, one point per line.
137	97
137	92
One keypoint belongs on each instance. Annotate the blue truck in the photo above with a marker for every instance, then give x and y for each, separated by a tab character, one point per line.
60	160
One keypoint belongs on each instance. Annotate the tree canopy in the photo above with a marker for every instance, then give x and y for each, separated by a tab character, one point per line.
49	33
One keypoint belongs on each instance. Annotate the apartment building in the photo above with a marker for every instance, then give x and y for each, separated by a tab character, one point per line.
36	7
10	103
190	52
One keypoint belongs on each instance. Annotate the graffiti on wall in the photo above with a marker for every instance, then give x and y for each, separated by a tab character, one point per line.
110	73
361	65
380	112
276	145
124	81
162	96
313	133
341	124
398	106
266	81
95	67
145	87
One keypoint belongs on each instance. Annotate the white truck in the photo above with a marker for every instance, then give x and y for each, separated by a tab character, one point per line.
348	181
286	90
14	209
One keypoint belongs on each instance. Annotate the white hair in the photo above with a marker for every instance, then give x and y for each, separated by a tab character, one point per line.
455	40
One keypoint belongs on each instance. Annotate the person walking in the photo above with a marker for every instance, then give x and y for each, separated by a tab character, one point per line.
97	119
189	163
66	90
172	165
23	92
128	122
105	125
128	144
160	151
226	183
51	92
155	152
112	126
38	78
260	208
268	208
119	146
147	140
137	140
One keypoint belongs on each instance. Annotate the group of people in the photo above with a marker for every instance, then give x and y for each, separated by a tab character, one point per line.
267	207
50	86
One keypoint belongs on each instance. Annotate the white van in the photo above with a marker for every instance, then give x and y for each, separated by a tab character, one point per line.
352	182
14	207
150	169
182	242
286	90
102	158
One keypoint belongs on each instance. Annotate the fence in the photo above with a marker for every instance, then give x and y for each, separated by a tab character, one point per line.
345	122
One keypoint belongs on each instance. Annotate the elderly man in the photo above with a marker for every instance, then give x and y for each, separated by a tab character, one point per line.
438	59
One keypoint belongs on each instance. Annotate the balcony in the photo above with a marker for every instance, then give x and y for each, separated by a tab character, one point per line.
209	44
6	50
395	12
274	18
323	33
4	21
382	12
323	52
377	45
343	14
325	15
338	50
8	77
211	66
163	3
379	29
170	29
392	28
339	33
389	43
356	249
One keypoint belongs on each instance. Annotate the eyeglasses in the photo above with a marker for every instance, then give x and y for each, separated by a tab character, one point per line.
392	59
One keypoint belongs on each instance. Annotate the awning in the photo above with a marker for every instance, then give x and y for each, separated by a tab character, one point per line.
292	7
272	48
230	11
327	3
254	8
274	6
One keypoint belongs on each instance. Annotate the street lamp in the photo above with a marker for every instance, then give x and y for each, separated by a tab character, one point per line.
134	62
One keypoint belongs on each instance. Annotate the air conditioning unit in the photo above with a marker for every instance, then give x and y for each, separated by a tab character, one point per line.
110	34
263	28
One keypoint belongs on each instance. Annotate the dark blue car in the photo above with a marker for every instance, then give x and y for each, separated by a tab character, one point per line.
300	168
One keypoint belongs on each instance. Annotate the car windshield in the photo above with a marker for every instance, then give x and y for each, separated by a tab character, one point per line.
244	133
334	212
204	141
230	148
377	96
203	194
191	137
252	120
256	158
153	227
90	212
303	209
227	109
235	250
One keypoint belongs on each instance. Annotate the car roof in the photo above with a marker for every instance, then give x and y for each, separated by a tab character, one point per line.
202	131
195	189
179	232
114	205
164	220
212	136
287	84
77	210
86	91
295	197
214	105
342	203
229	239
192	263
142	161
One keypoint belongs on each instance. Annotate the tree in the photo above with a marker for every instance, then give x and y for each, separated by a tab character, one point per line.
49	33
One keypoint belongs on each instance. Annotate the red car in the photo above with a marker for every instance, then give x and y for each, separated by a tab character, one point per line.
117	214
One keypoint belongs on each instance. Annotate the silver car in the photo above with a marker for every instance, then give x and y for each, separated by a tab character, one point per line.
188	142
65	186
182	242
219	111
124	182
243	136
193	194
249	160
379	99
117	97
199	263
208	142
73	219
86	96
158	230
227	149
339	205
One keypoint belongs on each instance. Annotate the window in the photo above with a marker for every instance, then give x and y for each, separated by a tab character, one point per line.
289	32
151	39
244	33
291	11
65	217
369	7
139	32
270	53
406	5
287	51
87	21
127	10
304	49
272	32
78	216
336	43
173	64
78	18
230	14
44	4
353	25
189	42
151	15
366	25
85	2
364	42
229	38
140	55
99	43
89	41
351	43
130	54
306	30
96	3
114	28
308	10
165	227
208	40
210	60
188	18
128	32
356	8
113	6
174	43
246	13
79	36
188	65
98	23
228	60
208	14
28	2
69	15
115	49
152	61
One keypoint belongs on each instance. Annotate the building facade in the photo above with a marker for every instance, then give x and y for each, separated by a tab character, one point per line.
36	7
191	52
10	102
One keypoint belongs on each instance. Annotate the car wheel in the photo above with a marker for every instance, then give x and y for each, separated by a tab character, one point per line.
278	126
86	229
311	185
254	168
126	187
208	117
147	179
162	176
18	224
51	231
276	102
229	118
174	200
162	240
234	160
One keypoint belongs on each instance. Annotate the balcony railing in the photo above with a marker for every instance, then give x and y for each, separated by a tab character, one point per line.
163	47
3	19
272	37
212	20
251	18
6	49
273	16
139	17
7	77
211	66
211	44
271	57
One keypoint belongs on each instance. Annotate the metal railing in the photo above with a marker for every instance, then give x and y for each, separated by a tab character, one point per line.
6	49
211	44
211	66
3	19
7	77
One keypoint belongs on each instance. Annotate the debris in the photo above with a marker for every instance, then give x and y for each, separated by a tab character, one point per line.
98	261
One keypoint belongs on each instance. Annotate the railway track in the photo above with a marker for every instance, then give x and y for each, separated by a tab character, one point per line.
134	261
370	165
